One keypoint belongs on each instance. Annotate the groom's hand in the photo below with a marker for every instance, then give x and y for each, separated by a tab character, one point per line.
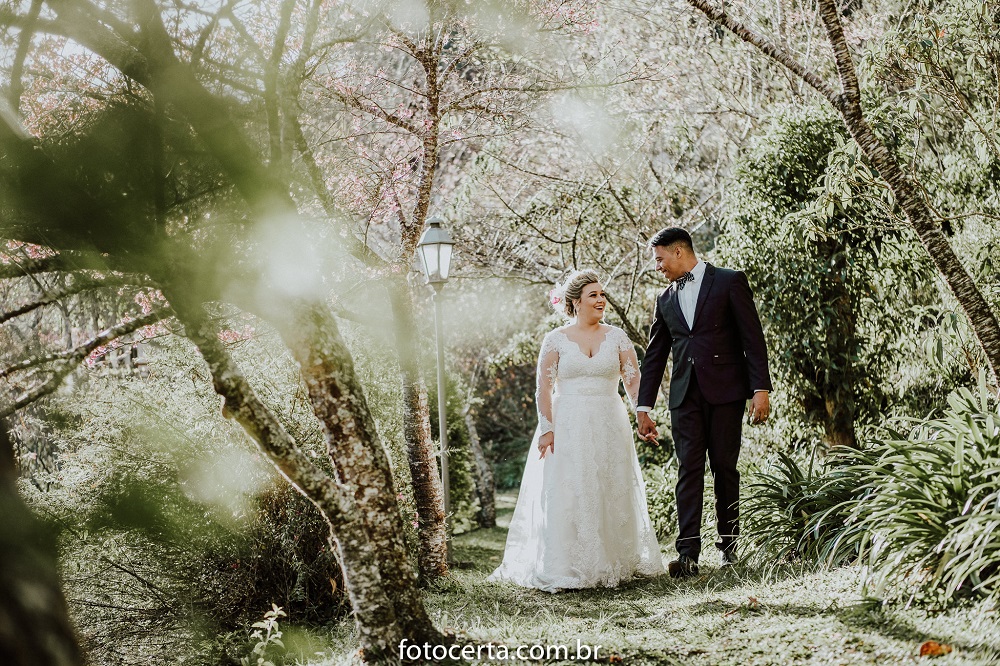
760	408
647	429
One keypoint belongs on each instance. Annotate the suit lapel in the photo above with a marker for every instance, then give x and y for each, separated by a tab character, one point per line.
676	304
707	280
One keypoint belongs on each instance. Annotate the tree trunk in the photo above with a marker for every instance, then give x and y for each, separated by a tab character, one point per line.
380	628
35	628
421	452
839	426
485	487
428	492
984	321
358	456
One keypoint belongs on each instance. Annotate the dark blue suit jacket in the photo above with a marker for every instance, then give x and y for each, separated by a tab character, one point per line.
724	347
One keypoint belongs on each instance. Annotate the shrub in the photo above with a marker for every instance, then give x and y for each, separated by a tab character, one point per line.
796	512
920	506
927	514
834	278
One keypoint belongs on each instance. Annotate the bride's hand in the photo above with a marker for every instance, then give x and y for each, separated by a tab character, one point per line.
546	442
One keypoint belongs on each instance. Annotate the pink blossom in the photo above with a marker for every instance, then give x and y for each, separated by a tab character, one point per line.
30	250
230	336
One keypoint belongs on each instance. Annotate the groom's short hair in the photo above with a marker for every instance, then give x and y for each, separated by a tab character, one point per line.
669	236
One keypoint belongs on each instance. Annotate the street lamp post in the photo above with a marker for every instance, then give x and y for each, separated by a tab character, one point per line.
435	256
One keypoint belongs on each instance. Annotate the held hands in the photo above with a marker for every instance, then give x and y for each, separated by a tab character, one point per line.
546	442
647	429
759	409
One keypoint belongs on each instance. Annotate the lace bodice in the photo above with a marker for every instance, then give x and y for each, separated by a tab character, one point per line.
565	368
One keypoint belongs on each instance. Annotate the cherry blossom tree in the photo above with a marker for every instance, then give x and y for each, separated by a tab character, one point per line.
391	122
121	212
645	139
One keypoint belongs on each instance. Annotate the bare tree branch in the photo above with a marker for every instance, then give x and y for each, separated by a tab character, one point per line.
374	109
80	284
64	261
71	358
634	334
768	48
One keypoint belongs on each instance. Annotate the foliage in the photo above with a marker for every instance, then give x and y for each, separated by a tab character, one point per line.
661	498
172	526
268	636
817	272
461	474
930	90
661	453
507	417
927	512
932	75
920	505
796	512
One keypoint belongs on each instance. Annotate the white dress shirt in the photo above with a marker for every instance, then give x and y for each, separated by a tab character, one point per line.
688	296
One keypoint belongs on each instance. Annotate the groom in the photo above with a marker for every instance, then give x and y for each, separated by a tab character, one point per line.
708	319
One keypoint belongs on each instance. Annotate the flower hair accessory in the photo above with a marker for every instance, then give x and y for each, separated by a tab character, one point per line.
557	299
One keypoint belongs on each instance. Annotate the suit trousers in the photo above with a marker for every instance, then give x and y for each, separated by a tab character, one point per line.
699	427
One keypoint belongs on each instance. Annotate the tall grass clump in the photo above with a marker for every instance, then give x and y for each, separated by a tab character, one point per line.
794	511
918	506
926	519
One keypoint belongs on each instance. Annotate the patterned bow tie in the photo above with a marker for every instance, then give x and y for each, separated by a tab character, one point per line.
683	280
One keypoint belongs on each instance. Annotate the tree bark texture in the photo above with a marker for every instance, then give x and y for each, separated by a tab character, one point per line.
361	462
428	492
848	104
35	628
421	452
380	629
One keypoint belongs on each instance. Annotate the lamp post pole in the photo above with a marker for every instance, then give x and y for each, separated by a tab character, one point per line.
435	255
442	416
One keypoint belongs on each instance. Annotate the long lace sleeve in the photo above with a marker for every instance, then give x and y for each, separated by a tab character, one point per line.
545	379
629	363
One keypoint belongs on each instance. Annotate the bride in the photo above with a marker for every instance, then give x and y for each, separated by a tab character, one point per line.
581	518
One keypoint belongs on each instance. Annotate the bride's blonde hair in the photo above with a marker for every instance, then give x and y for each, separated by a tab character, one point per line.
571	289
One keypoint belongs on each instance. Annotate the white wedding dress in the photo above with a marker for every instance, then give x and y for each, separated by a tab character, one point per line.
581	518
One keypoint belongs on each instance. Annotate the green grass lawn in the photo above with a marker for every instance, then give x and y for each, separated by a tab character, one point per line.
734	616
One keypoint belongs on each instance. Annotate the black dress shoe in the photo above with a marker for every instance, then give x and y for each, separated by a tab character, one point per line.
728	559
683	567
